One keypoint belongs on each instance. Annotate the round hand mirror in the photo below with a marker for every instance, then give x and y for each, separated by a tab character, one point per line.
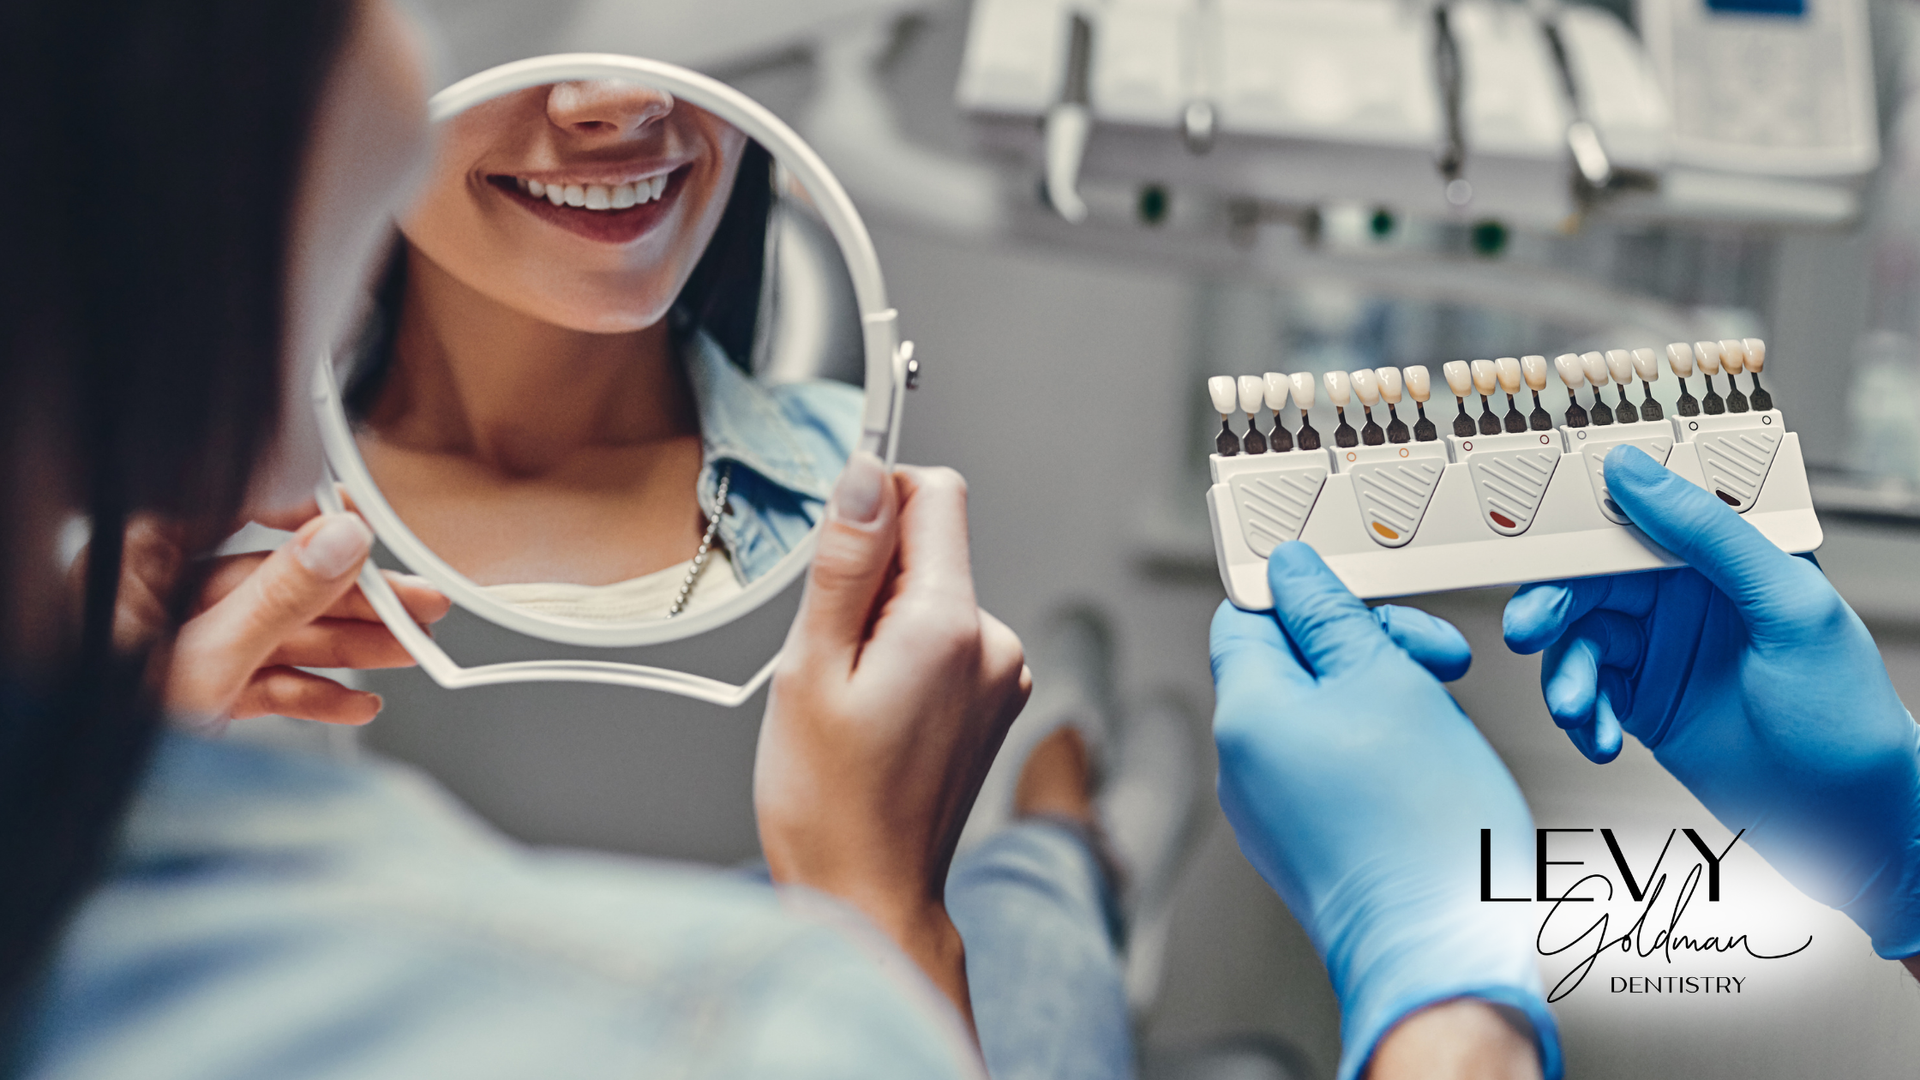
626	340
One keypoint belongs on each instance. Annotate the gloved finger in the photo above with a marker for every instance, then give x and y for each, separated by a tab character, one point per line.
1246	644
1599	739
1333	630
1587	661
1539	613
1569	682
1432	642
1707	533
1616	695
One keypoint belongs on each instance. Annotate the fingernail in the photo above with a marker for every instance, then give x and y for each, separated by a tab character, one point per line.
856	498
337	547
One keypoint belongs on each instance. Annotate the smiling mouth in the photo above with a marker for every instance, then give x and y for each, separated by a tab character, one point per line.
608	213
597	196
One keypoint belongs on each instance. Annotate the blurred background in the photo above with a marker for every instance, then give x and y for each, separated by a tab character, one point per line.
1082	209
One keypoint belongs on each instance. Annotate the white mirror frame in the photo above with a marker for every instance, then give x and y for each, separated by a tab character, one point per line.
886	380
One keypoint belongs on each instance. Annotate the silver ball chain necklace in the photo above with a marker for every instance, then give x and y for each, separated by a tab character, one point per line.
706	542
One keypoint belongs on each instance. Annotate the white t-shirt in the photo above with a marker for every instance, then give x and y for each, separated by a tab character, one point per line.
647	597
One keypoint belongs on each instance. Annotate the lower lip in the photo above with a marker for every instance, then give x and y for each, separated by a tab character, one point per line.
601	226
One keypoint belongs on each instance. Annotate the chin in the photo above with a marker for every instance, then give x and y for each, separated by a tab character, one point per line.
606	320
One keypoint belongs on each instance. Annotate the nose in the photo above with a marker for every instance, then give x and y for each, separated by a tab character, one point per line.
605	110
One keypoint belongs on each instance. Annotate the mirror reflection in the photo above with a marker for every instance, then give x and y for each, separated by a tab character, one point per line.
612	370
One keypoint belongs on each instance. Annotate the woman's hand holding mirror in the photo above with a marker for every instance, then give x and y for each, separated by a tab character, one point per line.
890	701
261	617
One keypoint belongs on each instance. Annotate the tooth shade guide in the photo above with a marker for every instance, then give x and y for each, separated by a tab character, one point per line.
1650	409
1391	387
1391	384
1224	392
1344	436
1571	521
1253	442
1280	440
1712	404
1463	425
1733	359
1423	428
1308	438
1624	412
1539	419
1756	349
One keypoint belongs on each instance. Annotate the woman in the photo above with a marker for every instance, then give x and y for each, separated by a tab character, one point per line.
573	309
265	915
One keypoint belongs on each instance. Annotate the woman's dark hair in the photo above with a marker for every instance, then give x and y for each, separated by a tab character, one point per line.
154	149
721	296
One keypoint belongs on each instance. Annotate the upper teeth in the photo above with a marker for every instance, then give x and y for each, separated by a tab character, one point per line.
597	196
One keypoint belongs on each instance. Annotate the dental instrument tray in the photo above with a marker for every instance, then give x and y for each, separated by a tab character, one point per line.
1399	510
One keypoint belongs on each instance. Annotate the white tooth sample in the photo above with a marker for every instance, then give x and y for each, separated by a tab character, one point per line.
1278	386
623	197
1339	389
1595	365
1680	359
1646	364
536	189
1390	384
1756	354
1253	390
575	195
1508	368
1459	377
1572	372
598	198
660	184
1620	366
556	195
1302	389
1707	355
1486	377
1366	386
1224	392
1534	370
1733	356
1419	382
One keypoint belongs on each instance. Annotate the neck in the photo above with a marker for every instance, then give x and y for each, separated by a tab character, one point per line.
476	378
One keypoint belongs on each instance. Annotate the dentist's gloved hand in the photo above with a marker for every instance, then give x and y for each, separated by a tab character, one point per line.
1359	791
1755	685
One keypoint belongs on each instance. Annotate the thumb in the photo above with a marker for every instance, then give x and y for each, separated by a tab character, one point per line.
1688	521
218	651
1332	629
851	563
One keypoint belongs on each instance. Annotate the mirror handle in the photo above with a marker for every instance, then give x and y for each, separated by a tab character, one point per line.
445	671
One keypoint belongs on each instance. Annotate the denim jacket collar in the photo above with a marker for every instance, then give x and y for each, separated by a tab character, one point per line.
740	421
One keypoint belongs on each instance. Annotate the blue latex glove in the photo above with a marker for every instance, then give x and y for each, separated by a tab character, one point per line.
1755	685
1358	789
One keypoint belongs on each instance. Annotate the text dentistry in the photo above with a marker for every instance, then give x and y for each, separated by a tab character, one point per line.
1675	984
